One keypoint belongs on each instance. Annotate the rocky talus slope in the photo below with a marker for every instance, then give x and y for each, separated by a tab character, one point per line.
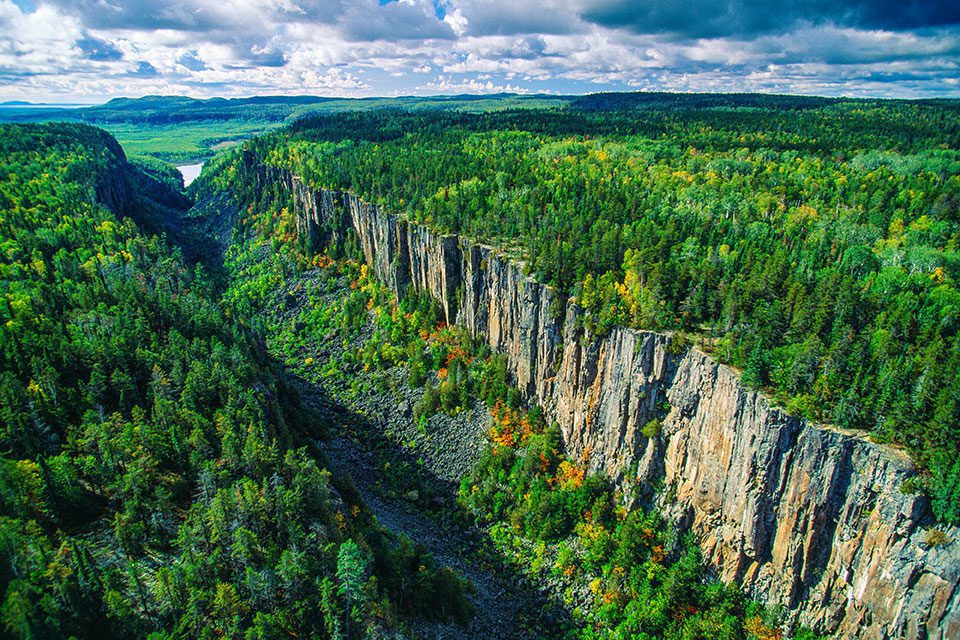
797	514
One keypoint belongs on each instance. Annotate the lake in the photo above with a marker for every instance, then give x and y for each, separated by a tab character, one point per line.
190	172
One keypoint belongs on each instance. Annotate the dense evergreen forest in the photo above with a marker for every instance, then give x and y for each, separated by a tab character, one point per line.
156	476
622	574
161	477
811	243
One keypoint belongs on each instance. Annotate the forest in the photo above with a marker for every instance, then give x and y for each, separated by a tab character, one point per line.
163	476
542	511
184	130
158	476
810	243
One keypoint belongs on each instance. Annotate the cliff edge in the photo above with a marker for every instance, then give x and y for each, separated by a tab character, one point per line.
797	514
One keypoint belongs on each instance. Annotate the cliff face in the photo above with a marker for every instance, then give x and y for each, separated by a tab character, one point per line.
798	515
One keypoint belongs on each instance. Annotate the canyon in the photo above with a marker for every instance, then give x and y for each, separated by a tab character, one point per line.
797	514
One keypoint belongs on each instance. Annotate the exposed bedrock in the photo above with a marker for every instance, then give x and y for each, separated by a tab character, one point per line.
799	515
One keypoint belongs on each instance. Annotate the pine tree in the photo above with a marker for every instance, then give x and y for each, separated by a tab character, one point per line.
352	570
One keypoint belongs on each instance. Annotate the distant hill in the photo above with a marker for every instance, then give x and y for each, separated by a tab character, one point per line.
184	130
164	109
661	100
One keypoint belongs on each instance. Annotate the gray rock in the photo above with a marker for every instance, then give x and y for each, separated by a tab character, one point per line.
798	514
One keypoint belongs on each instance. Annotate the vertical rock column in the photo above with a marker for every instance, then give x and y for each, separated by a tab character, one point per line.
799	515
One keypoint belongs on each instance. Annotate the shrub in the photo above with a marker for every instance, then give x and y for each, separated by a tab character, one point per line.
652	429
678	345
935	538
429	403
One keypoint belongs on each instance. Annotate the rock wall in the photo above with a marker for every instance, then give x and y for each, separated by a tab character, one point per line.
797	514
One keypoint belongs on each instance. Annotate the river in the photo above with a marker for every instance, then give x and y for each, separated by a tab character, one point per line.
190	172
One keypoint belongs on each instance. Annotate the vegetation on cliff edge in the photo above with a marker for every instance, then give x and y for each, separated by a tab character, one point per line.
813	245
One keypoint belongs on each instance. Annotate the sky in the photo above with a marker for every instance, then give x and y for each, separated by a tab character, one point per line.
89	51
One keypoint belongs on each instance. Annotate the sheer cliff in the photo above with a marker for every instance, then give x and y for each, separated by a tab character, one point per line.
798	514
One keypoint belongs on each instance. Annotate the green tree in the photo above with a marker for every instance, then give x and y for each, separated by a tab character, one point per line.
352	569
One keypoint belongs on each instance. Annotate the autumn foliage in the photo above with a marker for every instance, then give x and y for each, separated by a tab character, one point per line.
510	428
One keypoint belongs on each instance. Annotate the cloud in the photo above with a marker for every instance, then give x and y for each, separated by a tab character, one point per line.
904	14
407	20
94	48
144	68
456	21
497	17
86	49
190	60
697	18
444	84
39	42
710	18
189	15
334	80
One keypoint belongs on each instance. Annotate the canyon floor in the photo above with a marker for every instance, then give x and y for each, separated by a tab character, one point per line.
409	476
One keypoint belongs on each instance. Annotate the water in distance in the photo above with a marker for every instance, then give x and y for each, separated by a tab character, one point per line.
190	172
